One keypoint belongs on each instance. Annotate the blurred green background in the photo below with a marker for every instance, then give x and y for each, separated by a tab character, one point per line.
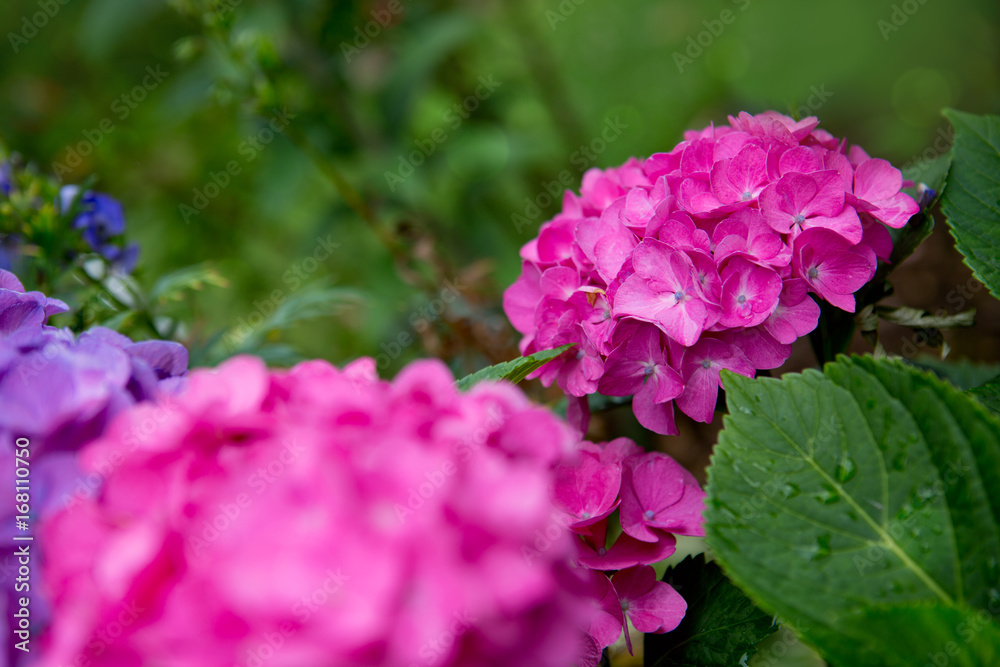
559	73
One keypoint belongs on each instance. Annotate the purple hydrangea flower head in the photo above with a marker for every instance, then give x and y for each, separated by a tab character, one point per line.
58	392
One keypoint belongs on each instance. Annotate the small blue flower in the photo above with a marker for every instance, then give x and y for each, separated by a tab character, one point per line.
101	218
5	178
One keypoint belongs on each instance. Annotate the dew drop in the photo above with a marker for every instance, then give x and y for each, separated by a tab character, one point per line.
828	495
822	547
846	469
790	491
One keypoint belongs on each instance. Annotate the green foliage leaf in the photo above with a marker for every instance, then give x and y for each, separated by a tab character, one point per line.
971	199
310	302
869	485
988	394
173	285
962	373
721	626
514	370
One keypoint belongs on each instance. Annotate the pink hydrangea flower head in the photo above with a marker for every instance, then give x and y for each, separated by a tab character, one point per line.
733	236
362	522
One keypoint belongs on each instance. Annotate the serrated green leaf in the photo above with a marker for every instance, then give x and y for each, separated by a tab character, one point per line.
988	394
962	373
720	628
869	484
971	200
514	370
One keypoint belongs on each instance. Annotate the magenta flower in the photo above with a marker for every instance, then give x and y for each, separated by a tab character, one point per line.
876	190
360	522
831	267
651	606
639	366
749	293
658	493
803	201
666	290
721	239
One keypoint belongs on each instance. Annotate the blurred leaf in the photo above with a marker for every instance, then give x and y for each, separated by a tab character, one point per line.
514	370
988	394
836	495
915	317
963	373
311	302
171	287
972	197
720	628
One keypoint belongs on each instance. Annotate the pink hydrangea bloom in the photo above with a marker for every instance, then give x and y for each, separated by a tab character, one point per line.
717	244
324	517
657	499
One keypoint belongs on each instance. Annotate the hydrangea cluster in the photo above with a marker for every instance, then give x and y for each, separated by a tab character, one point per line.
663	272
60	391
321	517
656	498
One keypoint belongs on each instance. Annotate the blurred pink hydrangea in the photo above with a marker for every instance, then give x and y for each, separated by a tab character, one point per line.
321	517
663	272
656	498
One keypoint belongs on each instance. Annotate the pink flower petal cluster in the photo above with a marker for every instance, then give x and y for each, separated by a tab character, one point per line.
663	272
656	498
319	517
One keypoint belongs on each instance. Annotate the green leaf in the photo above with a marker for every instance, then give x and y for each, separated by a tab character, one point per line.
514	370
869	484
309	303
172	286
988	394
933	634
962	373
971	199
720	628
